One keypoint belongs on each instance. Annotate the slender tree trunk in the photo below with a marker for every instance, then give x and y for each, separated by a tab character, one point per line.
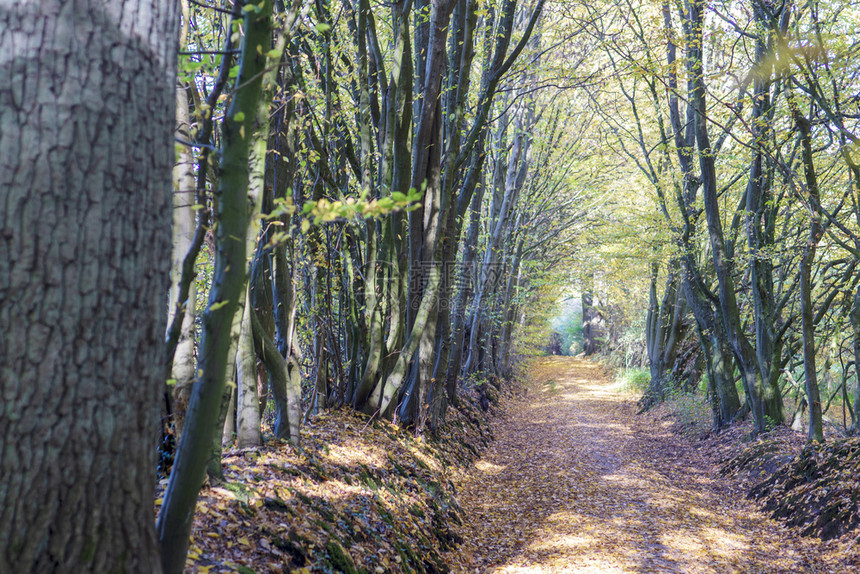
663	330
760	218
177	512
816	231
590	315
184	227
86	149
765	406
855	327
464	292
227	424
248	431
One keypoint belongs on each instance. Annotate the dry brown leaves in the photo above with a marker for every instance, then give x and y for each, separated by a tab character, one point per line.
358	496
576	482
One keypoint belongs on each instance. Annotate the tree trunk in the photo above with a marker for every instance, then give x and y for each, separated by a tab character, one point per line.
855	327
816	231
765	406
590	316
184	227
248	431
86	150
177	512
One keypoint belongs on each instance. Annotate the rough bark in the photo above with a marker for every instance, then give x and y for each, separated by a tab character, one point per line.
86	131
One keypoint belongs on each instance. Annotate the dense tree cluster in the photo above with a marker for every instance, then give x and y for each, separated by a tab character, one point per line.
373	203
371	184
742	119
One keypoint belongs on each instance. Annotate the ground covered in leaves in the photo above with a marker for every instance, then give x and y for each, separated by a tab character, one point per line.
815	487
577	482
360	495
574	481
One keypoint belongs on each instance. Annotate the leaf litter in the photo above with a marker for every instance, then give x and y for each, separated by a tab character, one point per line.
577	482
360	495
574	481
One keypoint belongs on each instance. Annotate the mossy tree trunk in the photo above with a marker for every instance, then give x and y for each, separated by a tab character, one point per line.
228	284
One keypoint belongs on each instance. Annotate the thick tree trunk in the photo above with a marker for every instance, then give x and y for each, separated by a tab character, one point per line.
86	150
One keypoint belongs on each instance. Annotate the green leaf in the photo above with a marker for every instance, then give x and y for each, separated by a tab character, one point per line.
322	28
217	305
239	117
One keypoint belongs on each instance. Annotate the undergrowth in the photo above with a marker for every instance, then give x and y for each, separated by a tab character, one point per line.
633	380
690	410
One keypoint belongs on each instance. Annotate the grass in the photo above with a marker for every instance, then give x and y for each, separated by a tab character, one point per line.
689	409
633	380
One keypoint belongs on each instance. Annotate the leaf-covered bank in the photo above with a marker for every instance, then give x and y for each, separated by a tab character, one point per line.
814	487
360	495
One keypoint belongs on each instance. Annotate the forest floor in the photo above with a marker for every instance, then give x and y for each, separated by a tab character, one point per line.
576	481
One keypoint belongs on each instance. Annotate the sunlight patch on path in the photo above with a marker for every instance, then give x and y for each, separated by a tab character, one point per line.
575	482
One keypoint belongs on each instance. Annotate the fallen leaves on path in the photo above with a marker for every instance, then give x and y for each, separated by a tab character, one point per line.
576	482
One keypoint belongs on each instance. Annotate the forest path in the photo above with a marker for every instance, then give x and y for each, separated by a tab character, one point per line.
576	482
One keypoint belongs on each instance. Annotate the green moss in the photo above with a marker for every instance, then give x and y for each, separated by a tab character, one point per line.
88	550
339	558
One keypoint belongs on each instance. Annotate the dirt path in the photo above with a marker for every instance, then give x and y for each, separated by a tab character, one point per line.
576	482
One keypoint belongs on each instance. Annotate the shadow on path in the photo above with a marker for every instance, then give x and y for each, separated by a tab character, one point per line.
576	482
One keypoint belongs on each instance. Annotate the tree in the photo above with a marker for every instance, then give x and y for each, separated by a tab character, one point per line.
225	297
86	132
